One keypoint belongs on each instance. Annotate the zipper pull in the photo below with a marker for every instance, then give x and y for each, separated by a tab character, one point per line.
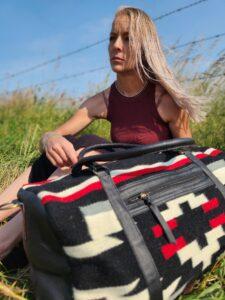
145	196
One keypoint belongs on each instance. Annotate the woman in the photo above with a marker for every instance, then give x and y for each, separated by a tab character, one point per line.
144	105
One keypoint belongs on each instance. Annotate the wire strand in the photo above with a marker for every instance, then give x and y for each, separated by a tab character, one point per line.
60	57
197	41
50	61
206	76
178	10
64	77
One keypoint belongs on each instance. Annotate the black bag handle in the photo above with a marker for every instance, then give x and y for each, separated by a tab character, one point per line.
106	146
134	150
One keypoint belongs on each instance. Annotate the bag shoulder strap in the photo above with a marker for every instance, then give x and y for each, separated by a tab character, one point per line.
136	241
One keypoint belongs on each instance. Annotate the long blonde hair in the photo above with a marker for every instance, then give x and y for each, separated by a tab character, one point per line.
150	60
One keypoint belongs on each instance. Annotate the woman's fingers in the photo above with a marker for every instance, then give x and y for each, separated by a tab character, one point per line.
64	154
71	153
61	158
54	158
59	150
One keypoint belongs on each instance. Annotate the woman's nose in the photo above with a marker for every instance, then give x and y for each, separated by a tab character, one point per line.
118	43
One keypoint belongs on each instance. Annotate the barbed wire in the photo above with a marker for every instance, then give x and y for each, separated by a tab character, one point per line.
193	42
50	61
206	76
100	68
178	10
67	54
197	41
202	77
70	76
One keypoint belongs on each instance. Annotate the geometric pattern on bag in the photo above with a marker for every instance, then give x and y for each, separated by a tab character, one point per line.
102	263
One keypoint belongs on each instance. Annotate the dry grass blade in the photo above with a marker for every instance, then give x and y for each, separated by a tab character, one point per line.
8	291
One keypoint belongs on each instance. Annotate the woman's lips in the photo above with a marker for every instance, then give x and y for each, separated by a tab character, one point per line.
117	59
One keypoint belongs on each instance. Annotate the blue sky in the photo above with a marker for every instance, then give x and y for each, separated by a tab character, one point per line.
33	31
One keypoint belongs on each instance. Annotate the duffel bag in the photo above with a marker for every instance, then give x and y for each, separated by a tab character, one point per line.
137	223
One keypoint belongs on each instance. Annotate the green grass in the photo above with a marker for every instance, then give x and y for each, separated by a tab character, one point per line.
22	122
211	132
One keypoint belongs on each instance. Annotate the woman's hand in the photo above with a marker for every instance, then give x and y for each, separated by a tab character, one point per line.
58	149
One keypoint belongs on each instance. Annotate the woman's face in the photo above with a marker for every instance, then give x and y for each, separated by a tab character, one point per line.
119	53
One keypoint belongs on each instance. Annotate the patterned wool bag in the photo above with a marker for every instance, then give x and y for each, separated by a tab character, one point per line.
141	226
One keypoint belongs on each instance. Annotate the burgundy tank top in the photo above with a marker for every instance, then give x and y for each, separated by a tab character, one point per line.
136	119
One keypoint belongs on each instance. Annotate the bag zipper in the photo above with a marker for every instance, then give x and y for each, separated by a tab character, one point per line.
146	194
156	187
162	197
159	178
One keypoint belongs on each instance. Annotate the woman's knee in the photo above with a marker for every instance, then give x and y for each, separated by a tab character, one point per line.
60	172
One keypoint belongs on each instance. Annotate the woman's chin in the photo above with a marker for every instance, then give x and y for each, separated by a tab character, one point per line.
118	68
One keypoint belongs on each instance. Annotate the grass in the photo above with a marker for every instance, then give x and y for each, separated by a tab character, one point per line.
14	285
211	132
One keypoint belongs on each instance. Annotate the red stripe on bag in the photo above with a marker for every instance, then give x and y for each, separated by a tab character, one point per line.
117	179
122	178
72	197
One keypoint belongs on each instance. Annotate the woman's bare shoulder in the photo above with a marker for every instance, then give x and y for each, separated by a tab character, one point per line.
166	106
159	93
105	100
98	103
105	94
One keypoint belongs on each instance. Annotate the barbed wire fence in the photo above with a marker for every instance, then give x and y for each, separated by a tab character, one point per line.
76	51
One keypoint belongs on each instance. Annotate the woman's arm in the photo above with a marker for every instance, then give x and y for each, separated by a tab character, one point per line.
177	118
90	109
179	124
59	150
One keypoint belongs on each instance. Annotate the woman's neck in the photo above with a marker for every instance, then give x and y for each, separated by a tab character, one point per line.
129	84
